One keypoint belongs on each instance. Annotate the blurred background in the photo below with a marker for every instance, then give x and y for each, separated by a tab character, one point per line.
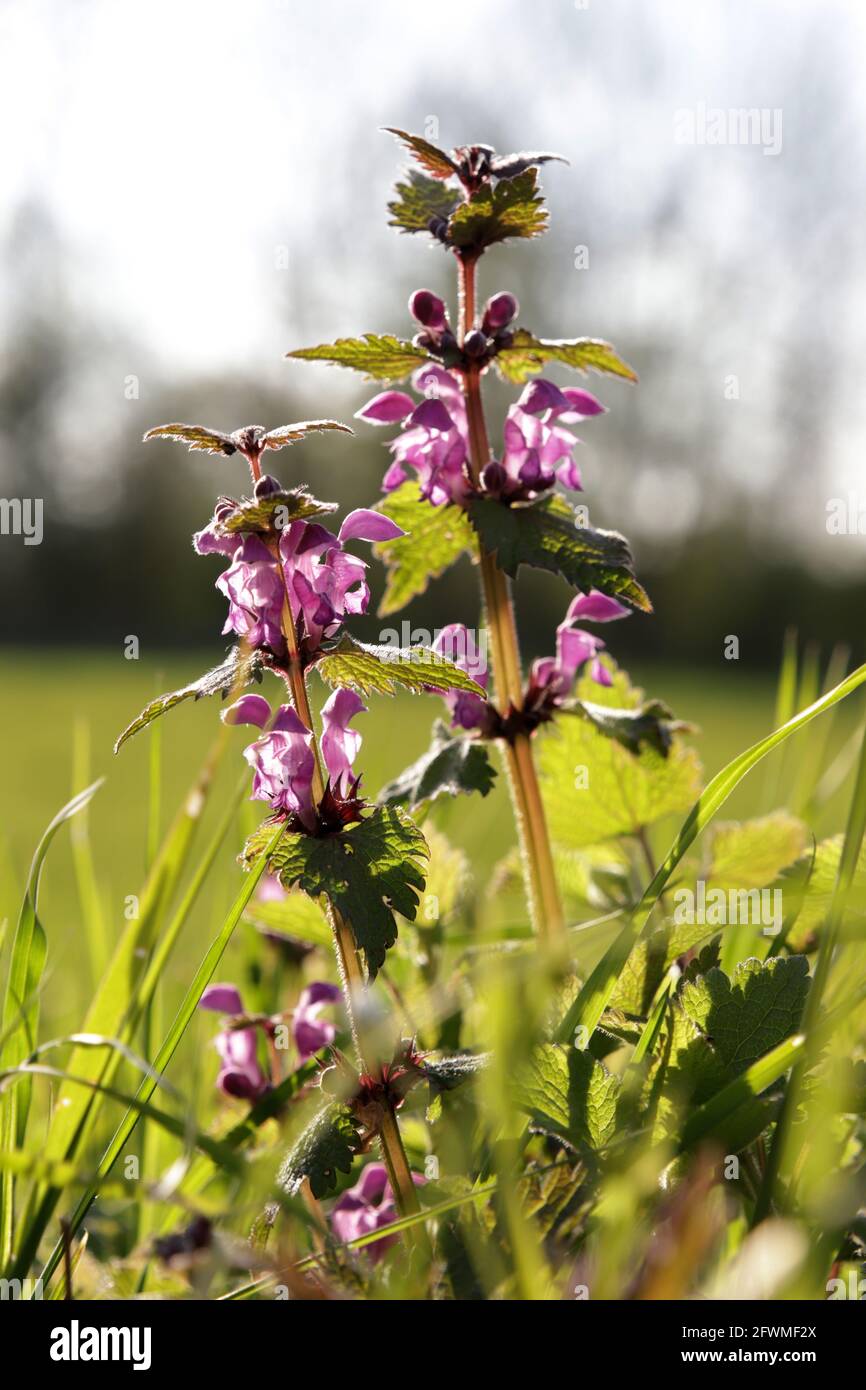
190	190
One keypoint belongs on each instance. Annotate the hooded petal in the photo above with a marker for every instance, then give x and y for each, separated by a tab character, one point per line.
340	744
366	525
223	999
386	408
595	607
310	1031
249	709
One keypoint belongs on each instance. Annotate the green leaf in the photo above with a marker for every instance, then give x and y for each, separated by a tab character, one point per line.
651	958
750	854
237	671
748	1014
446	1073
568	1092
544	534
513	208
526	355
272	513
813	885
595	789
216	442
452	764
379	356
652	723
368	872
382	669
327	1146
429	156
595	995
420	201
295	916
435	538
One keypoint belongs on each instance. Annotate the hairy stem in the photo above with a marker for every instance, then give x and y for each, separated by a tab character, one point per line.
348	963
542	890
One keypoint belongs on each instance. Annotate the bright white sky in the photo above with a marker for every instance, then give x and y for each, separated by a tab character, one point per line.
179	143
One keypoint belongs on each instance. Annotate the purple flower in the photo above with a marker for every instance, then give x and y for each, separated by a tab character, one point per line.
340	744
434	438
310	1031
253	586
240	1074
552	678
283	761
368	1206
537	451
457	643
320	579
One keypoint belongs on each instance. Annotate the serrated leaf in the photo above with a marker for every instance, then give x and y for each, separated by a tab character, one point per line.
237	671
452	764
717	1028
506	166
812	885
278	509
752	1012
526	355
420	201
327	1146
513	208
380	670
368	872
616	792
652	723
435	538
380	356
446	1073
216	442
544	534
750	854
569	1093
643	971
429	156
196	436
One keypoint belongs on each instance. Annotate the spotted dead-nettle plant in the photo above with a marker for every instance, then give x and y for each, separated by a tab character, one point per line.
453	488
292	586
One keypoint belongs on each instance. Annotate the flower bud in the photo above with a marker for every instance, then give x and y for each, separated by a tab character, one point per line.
475	344
499	311
266	486
428	309
494	477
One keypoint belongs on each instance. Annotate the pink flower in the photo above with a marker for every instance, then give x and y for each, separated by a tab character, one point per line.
552	678
537	451
368	1206
322	582
283	761
311	1032
457	644
240	1073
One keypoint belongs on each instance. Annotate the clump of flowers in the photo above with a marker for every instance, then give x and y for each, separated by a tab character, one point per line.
536	452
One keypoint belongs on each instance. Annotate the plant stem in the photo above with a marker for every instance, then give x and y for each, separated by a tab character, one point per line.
348	963
542	891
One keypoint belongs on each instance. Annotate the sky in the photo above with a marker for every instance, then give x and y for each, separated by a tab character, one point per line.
217	180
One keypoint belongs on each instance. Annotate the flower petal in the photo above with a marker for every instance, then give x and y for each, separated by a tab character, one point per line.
386	408
249	709
595	607
223	999
365	525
